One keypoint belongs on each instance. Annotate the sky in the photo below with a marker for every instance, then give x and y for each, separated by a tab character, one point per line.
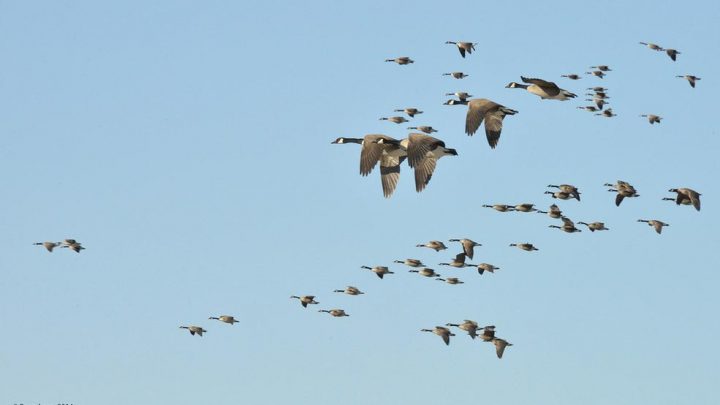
186	144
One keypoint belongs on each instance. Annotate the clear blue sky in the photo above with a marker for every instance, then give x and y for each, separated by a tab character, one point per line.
187	146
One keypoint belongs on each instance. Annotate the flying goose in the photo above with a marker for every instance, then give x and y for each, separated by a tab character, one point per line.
599	102
590	108
652	118
568	226
456	102
598	94
73	245
410	262
483	267
595	226
350	290
567	188
559	195
456	75
423	153
488	333
338	313
380	271
403	60
542	88
463	47
652	46
435	245
691	79
596	73
672	53
657	224
410	111
492	113
607	113
623	189
500	207
460	94
468	246
225	318
384	149
305	299
525	208
396	119
426	272
424	128
471	327
554	211
598	89
48	245
602	68
684	201
451	280
525	246
687	194
194	329
500	345
458	261
572	76
441	331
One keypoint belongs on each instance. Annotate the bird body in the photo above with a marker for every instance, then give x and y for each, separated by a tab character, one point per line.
402	60
655	223
225	318
595	226
410	111
481	109
483	267
435	245
691	79
652	118
380	271
471	327
337	313
305	299
500	207
458	261
350	290
194	330
456	75
48	245
525	246
543	89
441	331
463	47
426	272
468	246
687	195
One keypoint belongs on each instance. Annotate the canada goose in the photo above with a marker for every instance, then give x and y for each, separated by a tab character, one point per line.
225	318
460	94
396	120
456	75
426	272
500	207
525	208
672	53
403	60
69	241
471	327
598	89
441	331
483	267
74	246
305	300
542	88
411	262
500	345
569	189
468	246
652	118
599	102
568	226
456	102
458	262
691	79
590	108
48	245
338	313
596	73
488	333
623	189
572	76
410	111
684	201
423	128
435	245
492	113
451	280
525	246
602	68
687	194
607	113
554	211
652	46
559	195
423	153
595	226
194	329
598	94
463	47
384	149
657	224
380	271
350	290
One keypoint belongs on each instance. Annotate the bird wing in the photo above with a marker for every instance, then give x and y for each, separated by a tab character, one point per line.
462	51
460	257
423	171
658	226
370	153
500	348
446	338
549	87
694	197
468	248
476	113
419	145
389	173
618	199
493	127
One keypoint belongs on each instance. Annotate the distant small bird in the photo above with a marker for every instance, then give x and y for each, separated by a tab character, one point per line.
543	89
403	60
657	224
572	76
599	102
500	207
488	333
435	245
73	245
380	271
685	195
451	280
225	318
595	226
500	345
525	246
458	262
48	245
483	267
410	111
463	47
602	68
525	208
471	327
410	262
623	189
691	79
672	53
194	329
305	299
481	109
607	113
652	46
554	211
456	102
590	108
561	195
424	128
396	120
456	75
460	94
468	246
598	89
596	73
337	313
441	331
567	188
350	290
568	226
652	118
425	272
